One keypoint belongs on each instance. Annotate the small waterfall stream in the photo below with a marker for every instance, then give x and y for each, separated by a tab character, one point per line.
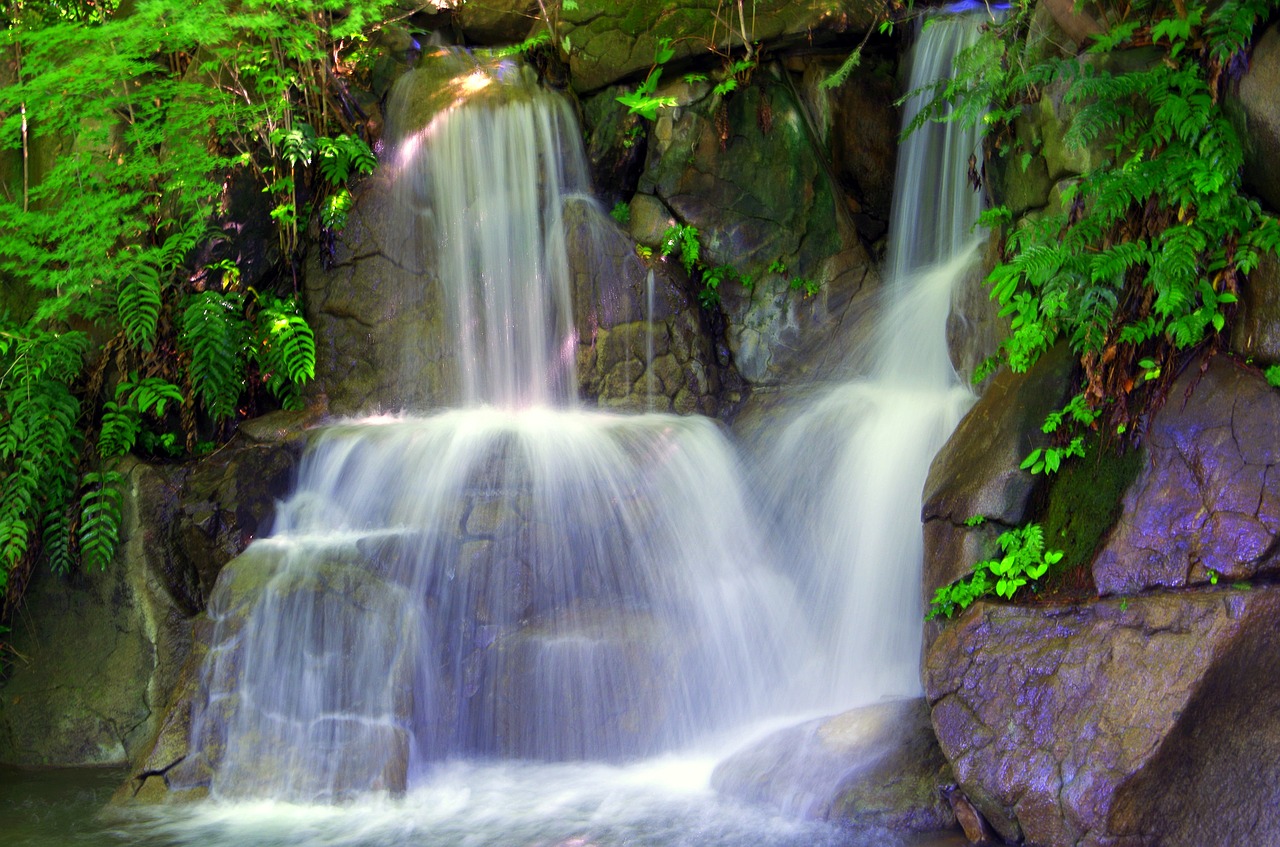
517	622
853	462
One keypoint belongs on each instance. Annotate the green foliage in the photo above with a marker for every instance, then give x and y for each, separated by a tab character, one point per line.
643	101
146	113
100	516
1025	560
621	213
284	349
1148	256
1273	376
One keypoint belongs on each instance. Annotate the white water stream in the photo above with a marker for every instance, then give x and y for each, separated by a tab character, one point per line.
501	624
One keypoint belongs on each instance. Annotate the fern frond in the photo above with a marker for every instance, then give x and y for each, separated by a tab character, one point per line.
216	334
100	517
138	306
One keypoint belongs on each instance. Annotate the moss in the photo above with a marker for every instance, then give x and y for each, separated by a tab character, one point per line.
1083	504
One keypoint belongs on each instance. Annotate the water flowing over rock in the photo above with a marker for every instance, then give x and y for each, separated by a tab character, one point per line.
1126	723
1207	504
874	766
844	475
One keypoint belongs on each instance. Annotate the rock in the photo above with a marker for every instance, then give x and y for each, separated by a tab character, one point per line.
1051	739
763	203
877	766
373	308
1261	107
612	41
254	724
100	653
1078	24
496	21
642	345
1256	330
975	328
859	124
1208	498
616	146
976	473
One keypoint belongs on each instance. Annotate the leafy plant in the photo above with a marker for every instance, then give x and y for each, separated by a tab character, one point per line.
155	109
621	213
1024	561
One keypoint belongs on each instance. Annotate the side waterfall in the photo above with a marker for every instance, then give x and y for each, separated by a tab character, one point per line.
854	460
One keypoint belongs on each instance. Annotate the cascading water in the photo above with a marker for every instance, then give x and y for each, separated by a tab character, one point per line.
485	608
510	578
857	457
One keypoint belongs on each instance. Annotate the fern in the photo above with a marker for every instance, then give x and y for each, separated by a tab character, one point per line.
216	334
138	305
100	518
284	348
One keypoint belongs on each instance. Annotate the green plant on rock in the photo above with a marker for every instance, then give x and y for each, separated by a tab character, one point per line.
1142	262
1024	561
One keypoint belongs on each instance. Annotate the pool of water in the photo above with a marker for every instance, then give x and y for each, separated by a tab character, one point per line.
660	803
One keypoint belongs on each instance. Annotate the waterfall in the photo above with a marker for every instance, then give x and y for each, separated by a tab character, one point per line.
514	577
520	613
854	460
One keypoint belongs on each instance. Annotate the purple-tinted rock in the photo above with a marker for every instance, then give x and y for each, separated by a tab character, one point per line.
1208	498
1126	723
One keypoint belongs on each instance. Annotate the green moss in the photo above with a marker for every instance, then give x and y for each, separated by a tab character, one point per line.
1083	503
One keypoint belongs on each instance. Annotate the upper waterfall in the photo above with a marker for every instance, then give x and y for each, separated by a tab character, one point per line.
483	186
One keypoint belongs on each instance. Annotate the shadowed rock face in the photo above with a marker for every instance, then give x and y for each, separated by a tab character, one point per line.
1209	497
1140	722
615	40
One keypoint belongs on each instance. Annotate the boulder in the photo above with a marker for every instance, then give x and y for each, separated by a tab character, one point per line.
977	474
745	172
876	766
1208	498
642	342
612	41
1261	106
373	311
858	123
1129	722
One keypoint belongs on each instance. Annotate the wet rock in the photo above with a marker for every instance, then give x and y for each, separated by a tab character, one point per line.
976	473
876	766
1209	497
1051	739
612	41
101	652
762	203
581	685
373	309
974	325
641	341
859	124
496	21
1261	107
1256	330
616	146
